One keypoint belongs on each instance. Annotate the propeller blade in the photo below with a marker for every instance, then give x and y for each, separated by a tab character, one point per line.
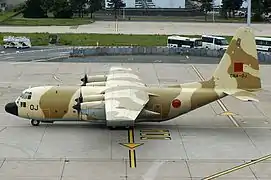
79	100
84	80
80	97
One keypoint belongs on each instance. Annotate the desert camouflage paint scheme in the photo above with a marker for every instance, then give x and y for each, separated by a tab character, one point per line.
120	98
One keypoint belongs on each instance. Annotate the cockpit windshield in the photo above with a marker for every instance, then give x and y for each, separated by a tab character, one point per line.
26	95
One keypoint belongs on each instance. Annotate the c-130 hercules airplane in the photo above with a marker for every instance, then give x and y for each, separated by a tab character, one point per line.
121	99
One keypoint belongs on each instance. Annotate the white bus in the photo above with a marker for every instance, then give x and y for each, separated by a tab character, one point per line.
214	42
263	43
178	41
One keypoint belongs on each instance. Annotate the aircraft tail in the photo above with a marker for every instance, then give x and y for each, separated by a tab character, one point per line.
238	71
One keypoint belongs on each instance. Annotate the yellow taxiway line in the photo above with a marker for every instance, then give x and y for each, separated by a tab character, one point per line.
132	156
236	168
132	146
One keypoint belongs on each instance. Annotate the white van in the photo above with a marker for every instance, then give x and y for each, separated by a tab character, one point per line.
16	42
214	42
263	43
179	41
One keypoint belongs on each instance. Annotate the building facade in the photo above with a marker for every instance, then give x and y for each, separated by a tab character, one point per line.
152	3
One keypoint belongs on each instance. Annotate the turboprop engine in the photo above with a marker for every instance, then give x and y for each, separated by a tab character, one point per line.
90	107
96	80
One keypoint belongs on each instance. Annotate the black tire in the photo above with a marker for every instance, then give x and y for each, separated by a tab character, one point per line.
35	122
111	127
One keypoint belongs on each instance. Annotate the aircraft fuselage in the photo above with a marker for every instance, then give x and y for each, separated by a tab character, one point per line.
57	103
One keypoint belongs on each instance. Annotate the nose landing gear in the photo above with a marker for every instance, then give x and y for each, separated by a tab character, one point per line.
35	122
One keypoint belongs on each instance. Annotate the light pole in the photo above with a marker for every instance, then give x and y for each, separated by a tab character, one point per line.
213	10
248	12
123	13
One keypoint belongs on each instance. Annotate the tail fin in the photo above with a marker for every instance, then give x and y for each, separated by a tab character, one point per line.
239	66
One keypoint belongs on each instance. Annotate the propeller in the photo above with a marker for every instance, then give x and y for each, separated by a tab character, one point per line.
84	80
79	100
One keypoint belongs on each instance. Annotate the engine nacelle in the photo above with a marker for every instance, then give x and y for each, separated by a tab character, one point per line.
93	110
96	84
90	98
95	78
93	104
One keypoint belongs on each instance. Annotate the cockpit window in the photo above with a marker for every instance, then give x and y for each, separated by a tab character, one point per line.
26	95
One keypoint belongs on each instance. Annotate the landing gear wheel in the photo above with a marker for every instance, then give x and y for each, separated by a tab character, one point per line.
112	127
35	122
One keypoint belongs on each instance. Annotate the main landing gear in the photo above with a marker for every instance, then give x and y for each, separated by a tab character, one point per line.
35	122
119	127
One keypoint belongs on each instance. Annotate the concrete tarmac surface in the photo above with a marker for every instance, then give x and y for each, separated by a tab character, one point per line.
191	147
126	27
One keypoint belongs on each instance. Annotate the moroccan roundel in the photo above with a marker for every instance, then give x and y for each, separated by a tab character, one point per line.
176	103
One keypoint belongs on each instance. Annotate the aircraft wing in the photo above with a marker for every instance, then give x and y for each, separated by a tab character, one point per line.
242	95
125	96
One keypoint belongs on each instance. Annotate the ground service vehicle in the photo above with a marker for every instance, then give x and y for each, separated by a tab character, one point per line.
16	42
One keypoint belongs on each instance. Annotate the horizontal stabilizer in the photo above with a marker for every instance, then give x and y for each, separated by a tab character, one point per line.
242	95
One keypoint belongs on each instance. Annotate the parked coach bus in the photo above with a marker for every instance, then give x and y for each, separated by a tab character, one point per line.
178	41
214	42
263	43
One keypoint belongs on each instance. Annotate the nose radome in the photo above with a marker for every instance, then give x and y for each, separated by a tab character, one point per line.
12	108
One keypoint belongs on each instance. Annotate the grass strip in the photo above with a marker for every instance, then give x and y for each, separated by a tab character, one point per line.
47	22
41	39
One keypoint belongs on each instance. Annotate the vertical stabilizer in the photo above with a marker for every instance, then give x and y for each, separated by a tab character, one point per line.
239	66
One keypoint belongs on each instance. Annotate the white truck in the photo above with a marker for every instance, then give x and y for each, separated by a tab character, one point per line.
16	42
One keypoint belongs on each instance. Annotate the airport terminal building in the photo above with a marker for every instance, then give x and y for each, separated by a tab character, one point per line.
152	3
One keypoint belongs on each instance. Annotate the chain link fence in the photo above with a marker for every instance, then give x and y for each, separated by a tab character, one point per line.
111	51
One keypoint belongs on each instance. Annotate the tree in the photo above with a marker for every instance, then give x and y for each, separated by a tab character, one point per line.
78	6
33	9
206	7
116	5
47	5
230	6
20	7
257	7
267	6
62	9
94	5
236	5
226	8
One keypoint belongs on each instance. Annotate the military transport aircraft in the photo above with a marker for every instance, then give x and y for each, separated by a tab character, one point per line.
120	98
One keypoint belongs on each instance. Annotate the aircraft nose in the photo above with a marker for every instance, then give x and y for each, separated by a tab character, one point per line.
12	108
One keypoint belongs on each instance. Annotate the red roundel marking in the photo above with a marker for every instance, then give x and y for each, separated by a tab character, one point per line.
176	103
